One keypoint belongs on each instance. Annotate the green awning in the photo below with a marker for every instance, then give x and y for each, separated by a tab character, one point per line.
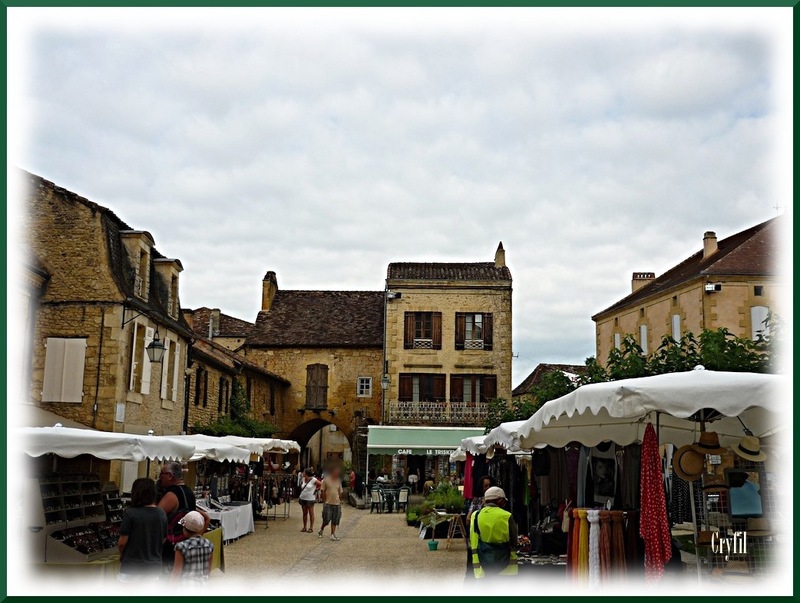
428	441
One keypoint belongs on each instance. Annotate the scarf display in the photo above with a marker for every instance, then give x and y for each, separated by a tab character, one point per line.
605	546
583	553
593	516
654	526
618	543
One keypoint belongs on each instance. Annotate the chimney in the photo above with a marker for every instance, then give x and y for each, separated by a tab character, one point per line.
268	290
213	323
500	256
641	279
709	244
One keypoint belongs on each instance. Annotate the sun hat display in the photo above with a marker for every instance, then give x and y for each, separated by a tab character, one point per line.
709	444
749	448
687	463
493	493
704	538
714	483
758	526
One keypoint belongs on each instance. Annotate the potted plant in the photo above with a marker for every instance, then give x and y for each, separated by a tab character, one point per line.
431	520
412	516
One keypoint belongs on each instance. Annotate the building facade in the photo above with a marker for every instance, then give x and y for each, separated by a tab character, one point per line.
731	283
448	341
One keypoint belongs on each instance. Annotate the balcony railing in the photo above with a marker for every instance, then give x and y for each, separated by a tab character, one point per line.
423	344
473	344
437	413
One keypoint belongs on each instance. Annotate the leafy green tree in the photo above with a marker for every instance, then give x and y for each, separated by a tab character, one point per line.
627	361
238	422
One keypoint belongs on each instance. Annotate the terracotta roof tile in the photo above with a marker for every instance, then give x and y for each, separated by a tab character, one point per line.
750	252
475	271
229	326
321	319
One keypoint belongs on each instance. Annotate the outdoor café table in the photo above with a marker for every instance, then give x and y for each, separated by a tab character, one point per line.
390	496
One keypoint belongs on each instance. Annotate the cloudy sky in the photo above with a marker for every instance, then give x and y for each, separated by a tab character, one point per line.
325	144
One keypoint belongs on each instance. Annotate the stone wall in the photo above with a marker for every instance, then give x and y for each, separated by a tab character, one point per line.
345	366
728	308
448	299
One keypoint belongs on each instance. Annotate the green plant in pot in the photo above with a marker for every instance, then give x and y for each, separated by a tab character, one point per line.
412	516
431	520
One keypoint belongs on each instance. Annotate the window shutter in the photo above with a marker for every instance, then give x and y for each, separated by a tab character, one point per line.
643	338
676	327
461	331
408	339
323	385
74	359
220	395
406	388
165	369
489	388
439	384
149	333
134	361
456	388
53	369
205	389
176	371
197	377
488	336
617	340
436	327
758	316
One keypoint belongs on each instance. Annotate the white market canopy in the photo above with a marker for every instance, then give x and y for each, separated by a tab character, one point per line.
505	435
473	445
261	446
112	446
215	449
619	410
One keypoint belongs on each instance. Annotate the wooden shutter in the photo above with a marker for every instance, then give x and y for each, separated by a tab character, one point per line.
488	336
489	383
53	369
205	388
461	331
147	369
165	369
456	388
436	327
176	370
63	370
406	388
198	377
408	334
134	359
322	384
220	394
439	384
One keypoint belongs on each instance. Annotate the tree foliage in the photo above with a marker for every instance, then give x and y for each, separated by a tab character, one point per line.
238	422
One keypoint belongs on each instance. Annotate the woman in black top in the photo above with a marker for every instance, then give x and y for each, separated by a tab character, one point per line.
141	534
177	497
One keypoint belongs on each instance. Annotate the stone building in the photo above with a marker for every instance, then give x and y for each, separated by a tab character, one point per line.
107	294
448	341
731	283
214	367
328	345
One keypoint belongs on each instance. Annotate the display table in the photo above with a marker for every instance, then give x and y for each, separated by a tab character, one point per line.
236	520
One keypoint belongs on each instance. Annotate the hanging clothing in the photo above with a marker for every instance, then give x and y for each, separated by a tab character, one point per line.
654	527
633	542
630	476
583	553
584	469
604	473
576	544
559	478
468	475
618	544
593	516
680	502
605	546
570	533
571	454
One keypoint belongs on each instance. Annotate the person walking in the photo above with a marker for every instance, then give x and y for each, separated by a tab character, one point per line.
194	554
308	496
142	534
493	537
331	492
177	501
476	504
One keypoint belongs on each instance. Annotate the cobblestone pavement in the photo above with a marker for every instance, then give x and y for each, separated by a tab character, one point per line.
373	547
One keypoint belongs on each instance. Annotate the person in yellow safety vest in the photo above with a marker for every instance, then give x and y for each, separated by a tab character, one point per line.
493	537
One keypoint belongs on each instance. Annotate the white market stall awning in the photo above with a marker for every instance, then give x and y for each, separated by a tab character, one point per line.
619	410
505	435
215	449
260	446
107	445
474	445
458	455
417	440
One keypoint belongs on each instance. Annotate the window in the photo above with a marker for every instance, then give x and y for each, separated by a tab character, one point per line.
641	312
63	370
140	283
423	331
317	386
364	388
616	321
758	321
473	331
227	397
201	387
758	290
674	301
676	327
473	388
617	340
422	387
221	395
272	398
170	370
643	338
141	367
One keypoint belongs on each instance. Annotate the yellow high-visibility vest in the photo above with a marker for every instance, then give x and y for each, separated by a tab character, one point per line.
494	529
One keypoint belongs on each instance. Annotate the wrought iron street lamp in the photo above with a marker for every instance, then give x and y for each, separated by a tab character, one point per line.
155	349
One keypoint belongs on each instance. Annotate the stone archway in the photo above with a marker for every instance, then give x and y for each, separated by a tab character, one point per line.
321	440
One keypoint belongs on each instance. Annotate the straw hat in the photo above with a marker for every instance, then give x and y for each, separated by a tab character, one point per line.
714	483
708	444
687	463
704	538
749	448
758	526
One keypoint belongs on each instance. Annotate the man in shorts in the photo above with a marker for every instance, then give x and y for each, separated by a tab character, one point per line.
331	493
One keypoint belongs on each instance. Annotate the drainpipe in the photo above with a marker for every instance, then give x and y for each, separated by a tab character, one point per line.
384	368
186	382
99	359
